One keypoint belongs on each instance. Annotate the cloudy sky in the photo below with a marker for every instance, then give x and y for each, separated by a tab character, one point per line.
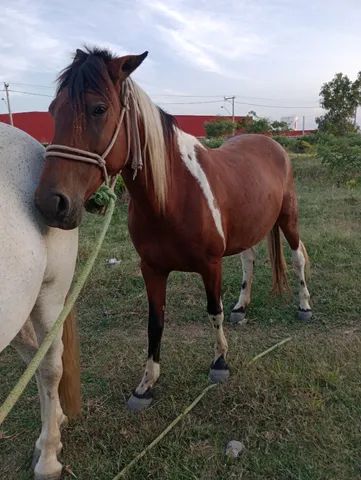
272	54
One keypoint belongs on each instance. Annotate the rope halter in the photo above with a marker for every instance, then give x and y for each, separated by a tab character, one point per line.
85	156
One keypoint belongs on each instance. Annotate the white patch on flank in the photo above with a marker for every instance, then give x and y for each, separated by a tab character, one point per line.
187	147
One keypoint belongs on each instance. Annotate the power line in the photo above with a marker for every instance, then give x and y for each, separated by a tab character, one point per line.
190	103
294	107
275	106
32	93
32	85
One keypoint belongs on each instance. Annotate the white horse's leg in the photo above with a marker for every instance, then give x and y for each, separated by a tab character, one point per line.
239	310
48	445
26	344
299	262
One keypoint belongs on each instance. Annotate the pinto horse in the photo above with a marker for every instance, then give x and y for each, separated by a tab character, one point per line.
37	266
189	205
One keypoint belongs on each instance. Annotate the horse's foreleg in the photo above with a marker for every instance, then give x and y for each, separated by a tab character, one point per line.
212	279
155	282
238	313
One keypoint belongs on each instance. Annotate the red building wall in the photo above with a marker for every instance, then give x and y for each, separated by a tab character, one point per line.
40	124
37	124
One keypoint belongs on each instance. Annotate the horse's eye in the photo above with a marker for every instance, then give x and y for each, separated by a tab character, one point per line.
99	110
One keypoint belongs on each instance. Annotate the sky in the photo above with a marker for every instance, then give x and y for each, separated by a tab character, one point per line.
273	55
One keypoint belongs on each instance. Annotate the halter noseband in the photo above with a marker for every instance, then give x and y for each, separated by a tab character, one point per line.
79	155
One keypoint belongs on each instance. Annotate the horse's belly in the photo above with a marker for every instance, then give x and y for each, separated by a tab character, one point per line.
22	266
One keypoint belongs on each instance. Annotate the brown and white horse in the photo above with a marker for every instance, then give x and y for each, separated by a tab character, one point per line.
189	206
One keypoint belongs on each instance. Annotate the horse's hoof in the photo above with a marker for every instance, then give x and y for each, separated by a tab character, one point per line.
49	476
304	315
238	316
137	403
219	371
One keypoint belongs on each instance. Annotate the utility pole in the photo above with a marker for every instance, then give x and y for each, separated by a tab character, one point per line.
303	125
232	99
6	86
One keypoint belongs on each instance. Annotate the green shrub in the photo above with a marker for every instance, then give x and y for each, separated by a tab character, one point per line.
286	142
301	146
294	145
219	128
342	155
213	142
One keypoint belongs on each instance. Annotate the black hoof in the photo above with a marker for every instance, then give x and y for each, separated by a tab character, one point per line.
219	371
238	316
137	403
304	315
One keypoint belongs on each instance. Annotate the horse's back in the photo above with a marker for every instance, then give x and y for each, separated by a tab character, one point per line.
250	175
22	246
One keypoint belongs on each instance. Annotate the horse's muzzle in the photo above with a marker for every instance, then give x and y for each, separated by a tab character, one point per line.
58	210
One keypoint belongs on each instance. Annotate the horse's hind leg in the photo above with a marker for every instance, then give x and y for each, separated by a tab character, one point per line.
26	344
288	222
238	313
212	279
47	308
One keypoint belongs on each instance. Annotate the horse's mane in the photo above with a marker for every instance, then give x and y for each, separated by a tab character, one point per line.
89	72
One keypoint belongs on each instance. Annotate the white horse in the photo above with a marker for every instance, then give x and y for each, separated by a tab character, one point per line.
36	269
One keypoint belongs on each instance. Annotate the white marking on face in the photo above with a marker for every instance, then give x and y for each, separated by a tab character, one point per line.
187	147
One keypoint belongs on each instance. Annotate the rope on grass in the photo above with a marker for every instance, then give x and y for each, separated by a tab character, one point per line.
125	470
25	378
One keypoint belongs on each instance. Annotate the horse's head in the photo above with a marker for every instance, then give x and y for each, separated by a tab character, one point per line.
90	140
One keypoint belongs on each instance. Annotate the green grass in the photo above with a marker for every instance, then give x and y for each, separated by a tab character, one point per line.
297	410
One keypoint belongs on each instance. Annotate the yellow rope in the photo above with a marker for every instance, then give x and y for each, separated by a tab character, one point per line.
25	378
125	470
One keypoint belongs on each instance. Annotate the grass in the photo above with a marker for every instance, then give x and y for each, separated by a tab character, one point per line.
297	410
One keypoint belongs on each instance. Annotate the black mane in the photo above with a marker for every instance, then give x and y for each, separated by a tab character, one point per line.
88	71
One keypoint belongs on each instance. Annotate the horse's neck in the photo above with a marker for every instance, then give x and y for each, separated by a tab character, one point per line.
185	155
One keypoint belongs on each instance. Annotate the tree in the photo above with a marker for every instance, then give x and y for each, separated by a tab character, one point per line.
279	126
340	97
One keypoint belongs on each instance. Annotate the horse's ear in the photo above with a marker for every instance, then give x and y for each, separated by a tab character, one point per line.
121	67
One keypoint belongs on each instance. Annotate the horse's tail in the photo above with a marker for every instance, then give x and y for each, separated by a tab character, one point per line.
278	262
69	387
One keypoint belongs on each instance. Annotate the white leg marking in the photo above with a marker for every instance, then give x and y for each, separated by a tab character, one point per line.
247	259
187	147
299	267
221	345
151	375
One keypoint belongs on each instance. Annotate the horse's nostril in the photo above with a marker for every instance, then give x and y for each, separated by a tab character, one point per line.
61	204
